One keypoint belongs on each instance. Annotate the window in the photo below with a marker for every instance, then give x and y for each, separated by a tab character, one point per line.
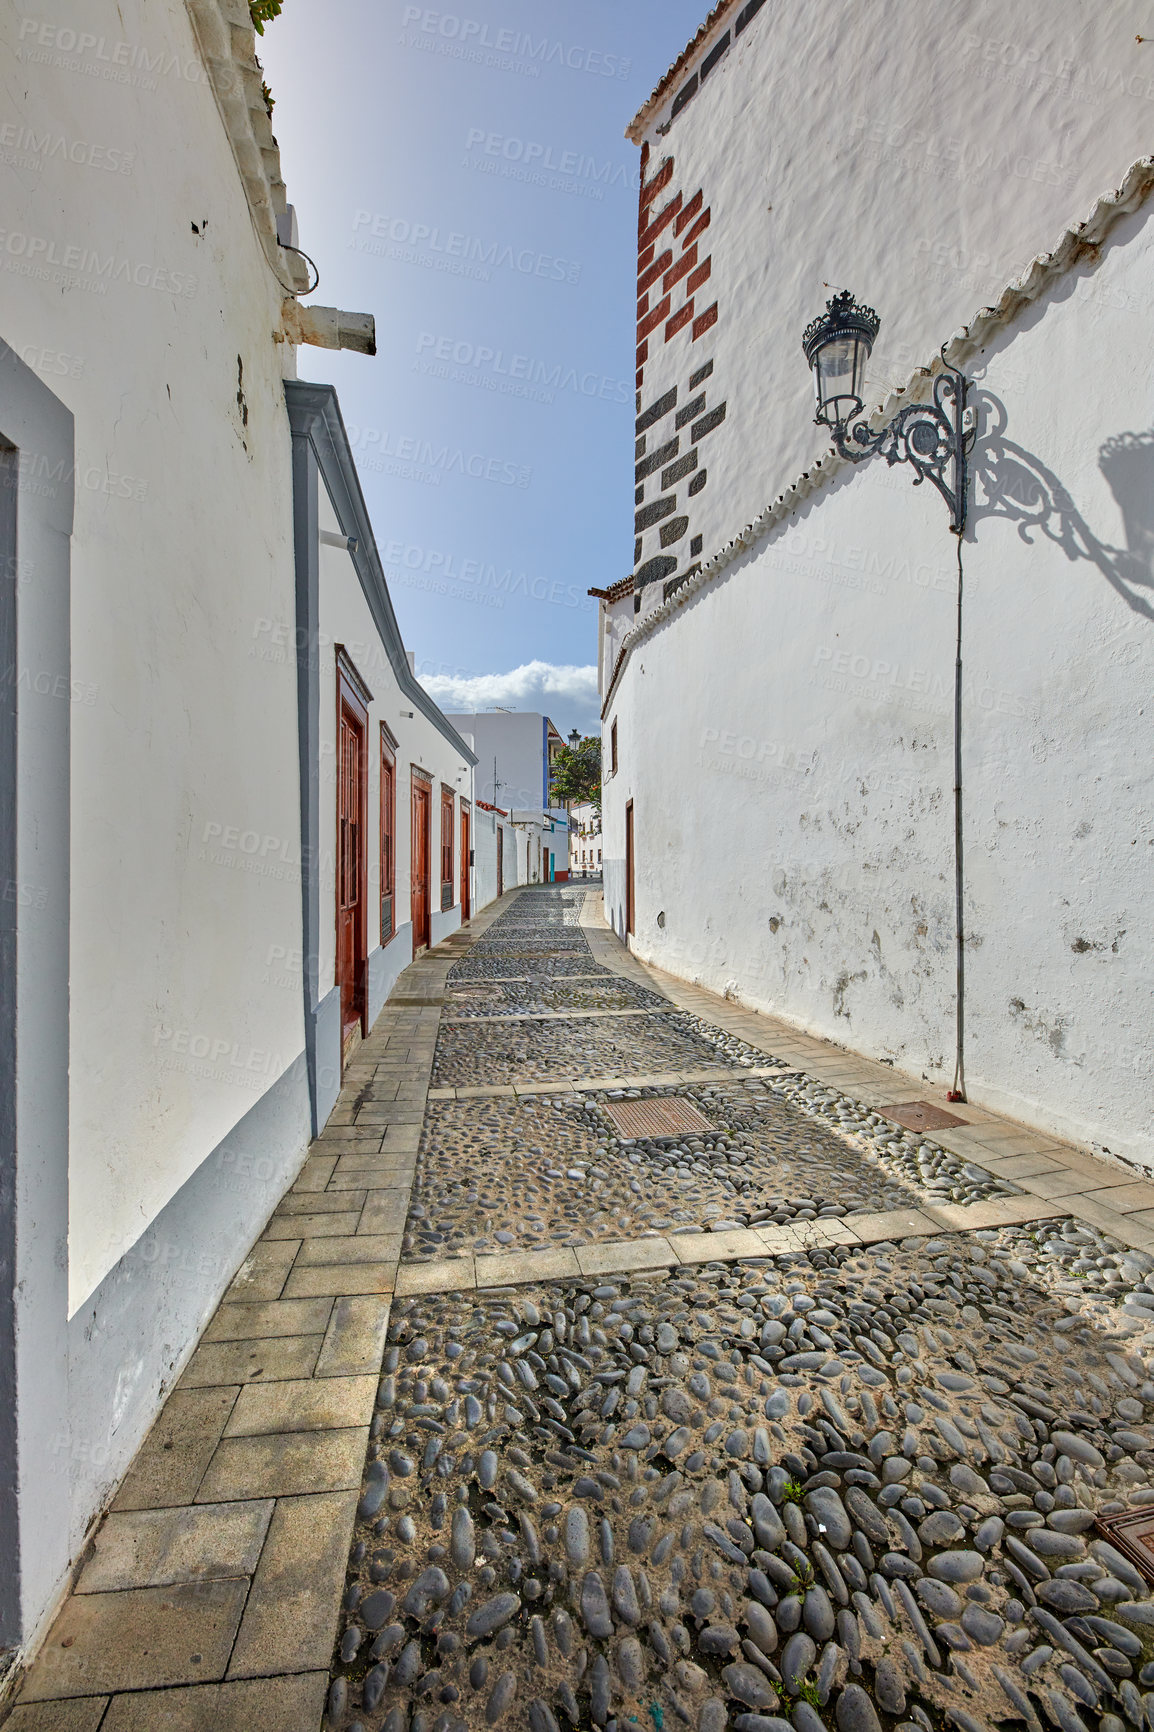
446	847
613	747
388	832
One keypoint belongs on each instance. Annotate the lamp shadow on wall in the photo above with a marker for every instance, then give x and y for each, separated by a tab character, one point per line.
1011	483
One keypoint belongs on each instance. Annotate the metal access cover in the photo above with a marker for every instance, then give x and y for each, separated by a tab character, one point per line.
920	1116
656	1118
1132	1533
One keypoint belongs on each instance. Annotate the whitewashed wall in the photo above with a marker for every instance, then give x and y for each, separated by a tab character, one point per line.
919	155
486	826
786	739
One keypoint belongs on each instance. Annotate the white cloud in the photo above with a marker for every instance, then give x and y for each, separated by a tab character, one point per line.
567	694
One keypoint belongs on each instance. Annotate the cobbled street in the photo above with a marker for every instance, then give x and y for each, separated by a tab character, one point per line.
718	1452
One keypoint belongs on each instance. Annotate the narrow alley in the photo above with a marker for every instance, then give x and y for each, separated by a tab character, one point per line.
622	1358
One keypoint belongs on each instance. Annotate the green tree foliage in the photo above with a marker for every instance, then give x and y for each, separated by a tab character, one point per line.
576	773
262	12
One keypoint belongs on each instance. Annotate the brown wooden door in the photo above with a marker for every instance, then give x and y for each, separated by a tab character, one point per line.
352	955
500	861
420	868
465	830
629	868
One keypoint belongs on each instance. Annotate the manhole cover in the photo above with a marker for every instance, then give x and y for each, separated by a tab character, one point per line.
657	1118
920	1116
1132	1533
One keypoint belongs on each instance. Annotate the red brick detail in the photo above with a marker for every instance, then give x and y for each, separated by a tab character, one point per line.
680	318
688	212
640	378
644	158
704	320
661	220
699	227
681	269
661	179
642	306
699	276
644	258
651	275
642	355
651	320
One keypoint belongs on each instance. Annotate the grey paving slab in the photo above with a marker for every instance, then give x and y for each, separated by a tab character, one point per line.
139	1639
83	1714
356	1338
285	1704
365	1248
336	1279
285	1464
151	1548
244	1322
316	1404
327	1225
170	1464
263	1272
270	1361
290	1620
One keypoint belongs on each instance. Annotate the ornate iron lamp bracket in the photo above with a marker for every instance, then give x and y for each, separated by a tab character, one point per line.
934	438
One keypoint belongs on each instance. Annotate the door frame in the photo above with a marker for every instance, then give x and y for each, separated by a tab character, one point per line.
466	825
353	700
387	858
630	904
421	782
500	860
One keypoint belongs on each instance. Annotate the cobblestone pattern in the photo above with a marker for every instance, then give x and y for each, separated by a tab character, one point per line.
836	1489
496	1053
525	997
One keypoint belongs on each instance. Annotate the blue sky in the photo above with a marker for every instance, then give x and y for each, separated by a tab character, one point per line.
464	176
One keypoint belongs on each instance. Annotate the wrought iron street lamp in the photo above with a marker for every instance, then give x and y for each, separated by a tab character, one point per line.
574	739
933	437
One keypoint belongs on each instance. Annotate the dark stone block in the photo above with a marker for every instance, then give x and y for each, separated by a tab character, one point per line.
714	56
746	13
671	476
656	459
640	451
655	569
651	514
686	94
707	423
690	411
698	481
656	410
638	495
702	373
673	530
675	583
637	550
695	545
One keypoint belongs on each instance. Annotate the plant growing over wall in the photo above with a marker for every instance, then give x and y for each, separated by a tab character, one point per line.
576	773
262	12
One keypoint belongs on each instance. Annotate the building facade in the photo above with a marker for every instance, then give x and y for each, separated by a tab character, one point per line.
584	840
229	813
781	695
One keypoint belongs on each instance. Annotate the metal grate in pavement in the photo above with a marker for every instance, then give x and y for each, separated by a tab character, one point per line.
656	1118
920	1116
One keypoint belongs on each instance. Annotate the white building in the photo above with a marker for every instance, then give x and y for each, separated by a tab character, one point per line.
778	671
515	753
584	840
229	813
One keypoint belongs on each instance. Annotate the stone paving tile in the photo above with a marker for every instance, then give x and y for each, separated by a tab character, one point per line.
337	1279
327	1225
633	1254
355	1339
321	1404
138	1639
290	1619
297	1203
269	1361
290	1704
500	1271
170	1463
153	1548
248	1322
452	1276
285	1464
263	1272
83	1714
367	1248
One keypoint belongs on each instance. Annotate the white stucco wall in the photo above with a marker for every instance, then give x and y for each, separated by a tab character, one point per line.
133	283
917	155
516	739
486	826
786	737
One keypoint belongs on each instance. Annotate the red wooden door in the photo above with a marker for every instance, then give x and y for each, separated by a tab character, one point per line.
352	960
629	867
465	829
420	866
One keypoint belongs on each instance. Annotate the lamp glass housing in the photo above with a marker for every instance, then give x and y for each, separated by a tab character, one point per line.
837	346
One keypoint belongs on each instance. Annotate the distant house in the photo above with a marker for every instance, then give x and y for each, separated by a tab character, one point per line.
229	814
515	751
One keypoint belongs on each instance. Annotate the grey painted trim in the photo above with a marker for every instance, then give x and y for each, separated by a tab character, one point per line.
386	963
35	665
325	1078
315	415
307	563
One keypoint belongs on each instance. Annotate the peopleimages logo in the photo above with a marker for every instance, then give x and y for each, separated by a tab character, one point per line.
417	243
539	164
471	35
514	375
